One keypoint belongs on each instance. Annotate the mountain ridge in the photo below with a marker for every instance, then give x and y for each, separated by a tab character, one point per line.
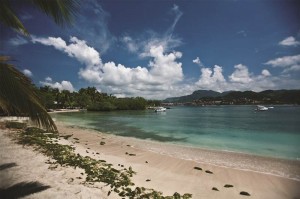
271	96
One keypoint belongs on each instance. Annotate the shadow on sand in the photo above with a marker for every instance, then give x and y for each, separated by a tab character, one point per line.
7	166
20	189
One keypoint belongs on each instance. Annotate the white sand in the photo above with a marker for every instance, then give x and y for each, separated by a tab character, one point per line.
167	168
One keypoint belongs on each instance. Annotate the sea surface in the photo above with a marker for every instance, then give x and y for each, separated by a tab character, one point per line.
272	133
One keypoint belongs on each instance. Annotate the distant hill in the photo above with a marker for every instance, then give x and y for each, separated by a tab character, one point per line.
194	96
240	97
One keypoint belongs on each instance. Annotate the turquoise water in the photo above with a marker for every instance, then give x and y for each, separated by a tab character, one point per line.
273	133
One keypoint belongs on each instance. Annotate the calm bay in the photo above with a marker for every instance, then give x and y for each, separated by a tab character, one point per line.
272	133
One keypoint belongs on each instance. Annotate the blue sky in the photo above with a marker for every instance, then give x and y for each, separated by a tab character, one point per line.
157	49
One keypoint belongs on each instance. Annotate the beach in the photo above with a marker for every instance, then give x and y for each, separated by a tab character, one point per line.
165	168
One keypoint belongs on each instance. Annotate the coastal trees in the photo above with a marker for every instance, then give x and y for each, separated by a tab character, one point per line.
89	98
17	95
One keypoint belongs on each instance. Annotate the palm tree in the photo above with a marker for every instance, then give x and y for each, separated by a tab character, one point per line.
17	95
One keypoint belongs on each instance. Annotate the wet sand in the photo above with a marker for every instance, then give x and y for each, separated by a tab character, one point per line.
164	167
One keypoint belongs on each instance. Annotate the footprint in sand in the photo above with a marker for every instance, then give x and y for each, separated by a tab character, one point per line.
244	193
228	185
209	172
198	168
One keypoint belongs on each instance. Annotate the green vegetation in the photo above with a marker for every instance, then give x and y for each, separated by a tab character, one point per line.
204	97
96	170
15	125
90	99
17	95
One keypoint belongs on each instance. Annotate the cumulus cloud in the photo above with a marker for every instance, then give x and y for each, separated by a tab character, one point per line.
64	85
265	73
289	63
212	79
27	72
289	41
77	48
161	73
240	80
240	75
198	62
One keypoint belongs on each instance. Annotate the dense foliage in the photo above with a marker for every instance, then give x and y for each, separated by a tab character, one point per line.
18	96
91	99
241	97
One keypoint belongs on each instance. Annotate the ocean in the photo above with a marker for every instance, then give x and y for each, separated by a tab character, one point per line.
272	133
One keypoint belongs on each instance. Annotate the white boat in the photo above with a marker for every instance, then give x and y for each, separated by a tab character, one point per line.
261	108
160	109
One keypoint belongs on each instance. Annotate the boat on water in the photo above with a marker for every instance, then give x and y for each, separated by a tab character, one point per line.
261	108
160	109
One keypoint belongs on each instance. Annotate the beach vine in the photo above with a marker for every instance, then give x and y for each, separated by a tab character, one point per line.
119	181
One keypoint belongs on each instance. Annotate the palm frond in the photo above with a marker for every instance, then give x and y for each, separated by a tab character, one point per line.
10	19
17	96
62	11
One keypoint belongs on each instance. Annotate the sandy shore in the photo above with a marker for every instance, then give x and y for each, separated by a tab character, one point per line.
165	168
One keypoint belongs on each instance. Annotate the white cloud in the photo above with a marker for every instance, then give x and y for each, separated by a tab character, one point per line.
77	48
265	73
289	41
130	44
27	72
289	63
295	67
212	79
198	62
96	30
178	13
163	76
162	72
142	44
64	85
240	75
48	79
240	80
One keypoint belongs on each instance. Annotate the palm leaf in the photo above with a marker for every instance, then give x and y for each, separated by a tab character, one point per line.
17	96
62	12
9	18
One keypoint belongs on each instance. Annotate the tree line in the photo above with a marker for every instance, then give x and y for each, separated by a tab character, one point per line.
91	99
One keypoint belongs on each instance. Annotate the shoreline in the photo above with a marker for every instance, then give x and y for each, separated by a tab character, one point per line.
280	167
169	161
168	173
